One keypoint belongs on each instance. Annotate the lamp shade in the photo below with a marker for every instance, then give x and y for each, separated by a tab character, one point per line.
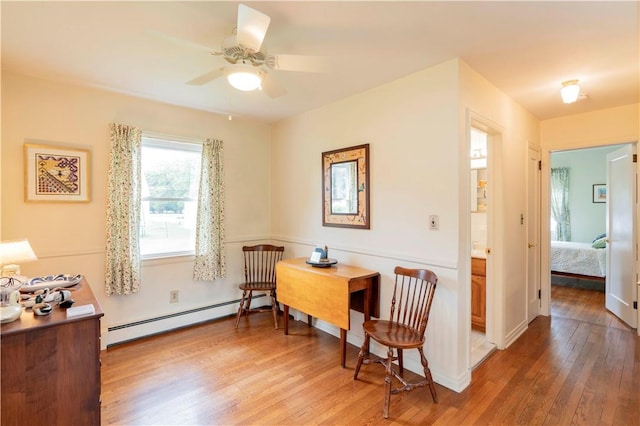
13	252
16	251
244	77
570	91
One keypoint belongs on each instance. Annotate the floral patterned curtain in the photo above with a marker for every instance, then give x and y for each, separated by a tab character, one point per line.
210	236
560	203
122	271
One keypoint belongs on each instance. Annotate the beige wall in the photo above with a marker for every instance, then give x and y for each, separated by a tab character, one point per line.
419	166
603	127
410	125
70	238
516	129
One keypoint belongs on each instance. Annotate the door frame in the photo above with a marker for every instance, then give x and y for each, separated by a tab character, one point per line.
545	223
494	330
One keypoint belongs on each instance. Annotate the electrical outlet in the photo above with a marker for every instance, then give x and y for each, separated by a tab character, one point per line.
434	222
173	296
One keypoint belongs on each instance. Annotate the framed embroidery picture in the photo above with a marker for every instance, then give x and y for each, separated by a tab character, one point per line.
56	174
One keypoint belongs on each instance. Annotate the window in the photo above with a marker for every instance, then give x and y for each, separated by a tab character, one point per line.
560	203
170	181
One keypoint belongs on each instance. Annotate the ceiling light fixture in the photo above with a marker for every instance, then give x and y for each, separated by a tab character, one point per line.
570	91
244	77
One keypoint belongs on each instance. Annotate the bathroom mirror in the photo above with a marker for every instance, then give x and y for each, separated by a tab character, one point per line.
345	187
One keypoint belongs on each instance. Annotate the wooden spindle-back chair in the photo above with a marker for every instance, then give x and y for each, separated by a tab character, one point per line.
259	275
410	306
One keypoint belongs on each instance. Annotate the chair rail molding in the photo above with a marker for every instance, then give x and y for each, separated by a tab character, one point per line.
392	255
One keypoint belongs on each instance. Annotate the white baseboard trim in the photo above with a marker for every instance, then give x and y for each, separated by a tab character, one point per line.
515	333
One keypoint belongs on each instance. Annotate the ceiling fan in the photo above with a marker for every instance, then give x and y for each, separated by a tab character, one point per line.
246	59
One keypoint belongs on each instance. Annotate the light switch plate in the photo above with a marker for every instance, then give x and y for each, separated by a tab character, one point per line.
434	222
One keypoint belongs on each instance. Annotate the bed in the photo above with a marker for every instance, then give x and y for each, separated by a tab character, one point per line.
578	259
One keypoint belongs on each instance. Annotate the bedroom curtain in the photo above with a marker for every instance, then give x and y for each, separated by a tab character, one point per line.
210	236
122	270
560	203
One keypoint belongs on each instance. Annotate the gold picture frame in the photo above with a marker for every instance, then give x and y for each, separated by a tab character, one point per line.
345	188
56	174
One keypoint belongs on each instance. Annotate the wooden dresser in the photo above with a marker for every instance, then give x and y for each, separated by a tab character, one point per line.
51	366
478	293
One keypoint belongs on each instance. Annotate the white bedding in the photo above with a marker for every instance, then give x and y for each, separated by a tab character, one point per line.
578	258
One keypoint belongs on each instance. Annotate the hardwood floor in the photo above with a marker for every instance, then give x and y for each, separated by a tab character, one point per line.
582	305
576	367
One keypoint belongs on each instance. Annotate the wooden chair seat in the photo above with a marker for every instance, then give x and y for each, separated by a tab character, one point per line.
261	286
410	305
259	275
390	333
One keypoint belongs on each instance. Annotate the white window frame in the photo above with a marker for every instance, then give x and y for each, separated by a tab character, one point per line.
177	143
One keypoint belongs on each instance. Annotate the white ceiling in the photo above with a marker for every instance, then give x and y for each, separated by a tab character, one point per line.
151	49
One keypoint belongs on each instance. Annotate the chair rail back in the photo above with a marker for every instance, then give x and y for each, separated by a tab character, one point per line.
260	262
412	297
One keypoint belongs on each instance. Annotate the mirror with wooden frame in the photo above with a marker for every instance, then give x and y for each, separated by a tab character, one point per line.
345	187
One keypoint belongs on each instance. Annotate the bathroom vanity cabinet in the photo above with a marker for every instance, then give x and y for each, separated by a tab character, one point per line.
478	293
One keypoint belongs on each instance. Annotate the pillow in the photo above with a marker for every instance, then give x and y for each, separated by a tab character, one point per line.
600	243
598	237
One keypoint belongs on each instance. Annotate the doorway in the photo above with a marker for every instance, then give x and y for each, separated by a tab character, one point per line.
579	225
480	185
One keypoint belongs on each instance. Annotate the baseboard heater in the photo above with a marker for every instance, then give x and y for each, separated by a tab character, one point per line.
174	315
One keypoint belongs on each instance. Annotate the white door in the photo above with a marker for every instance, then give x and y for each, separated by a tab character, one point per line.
621	289
534	175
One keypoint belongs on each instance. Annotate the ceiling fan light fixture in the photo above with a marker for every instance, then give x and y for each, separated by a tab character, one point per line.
245	77
570	91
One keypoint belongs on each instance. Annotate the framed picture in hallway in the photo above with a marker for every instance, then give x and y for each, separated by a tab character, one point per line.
600	193
56	174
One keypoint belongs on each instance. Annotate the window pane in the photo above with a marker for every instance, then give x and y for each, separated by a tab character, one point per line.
167	232
170	173
170	179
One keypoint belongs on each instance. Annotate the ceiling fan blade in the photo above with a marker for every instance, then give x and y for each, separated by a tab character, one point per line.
205	78
301	63
252	27
272	87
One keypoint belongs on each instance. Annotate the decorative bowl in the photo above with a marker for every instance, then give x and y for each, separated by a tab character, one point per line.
50	281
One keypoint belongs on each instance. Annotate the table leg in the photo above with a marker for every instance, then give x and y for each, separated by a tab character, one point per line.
286	319
343	346
367	303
